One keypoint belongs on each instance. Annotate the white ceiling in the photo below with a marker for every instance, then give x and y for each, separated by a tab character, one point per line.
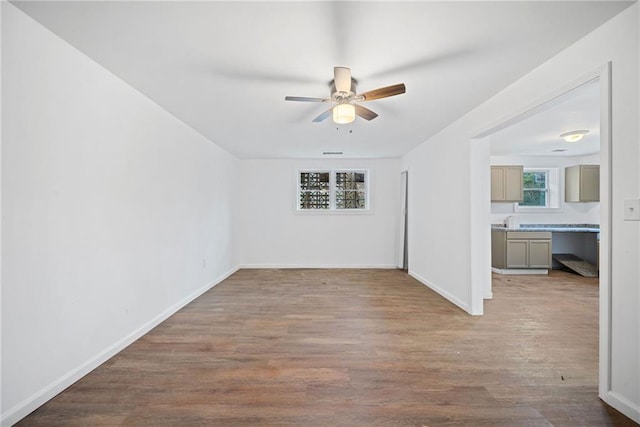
539	134
224	68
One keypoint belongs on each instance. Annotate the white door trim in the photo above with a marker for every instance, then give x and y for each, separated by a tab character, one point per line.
402	223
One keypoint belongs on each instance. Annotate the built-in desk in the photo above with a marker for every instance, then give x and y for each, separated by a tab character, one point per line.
554	228
578	239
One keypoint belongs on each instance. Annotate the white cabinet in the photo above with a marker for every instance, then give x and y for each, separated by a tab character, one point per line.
521	249
506	183
582	183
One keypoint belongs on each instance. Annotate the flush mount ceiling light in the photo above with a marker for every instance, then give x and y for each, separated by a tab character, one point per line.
574	135
344	113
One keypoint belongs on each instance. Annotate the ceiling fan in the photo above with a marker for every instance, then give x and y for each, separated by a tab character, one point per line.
343	95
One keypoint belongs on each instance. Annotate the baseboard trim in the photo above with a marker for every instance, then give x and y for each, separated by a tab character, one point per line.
452	298
623	405
33	402
520	271
319	266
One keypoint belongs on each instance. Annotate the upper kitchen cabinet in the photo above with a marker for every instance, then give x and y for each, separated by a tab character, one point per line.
582	183
506	183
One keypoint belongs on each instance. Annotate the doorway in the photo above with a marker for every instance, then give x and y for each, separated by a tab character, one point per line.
536	152
403	243
481	234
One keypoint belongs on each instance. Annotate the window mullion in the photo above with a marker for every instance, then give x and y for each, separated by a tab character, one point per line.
332	190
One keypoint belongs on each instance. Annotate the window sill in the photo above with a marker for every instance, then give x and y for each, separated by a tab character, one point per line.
527	209
333	212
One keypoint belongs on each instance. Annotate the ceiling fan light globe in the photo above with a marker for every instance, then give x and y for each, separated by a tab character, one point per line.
344	113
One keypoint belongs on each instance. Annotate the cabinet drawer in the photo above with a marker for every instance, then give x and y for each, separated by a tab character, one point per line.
528	235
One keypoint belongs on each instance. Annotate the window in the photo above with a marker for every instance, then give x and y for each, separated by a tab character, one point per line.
314	190
535	188
541	190
351	190
335	190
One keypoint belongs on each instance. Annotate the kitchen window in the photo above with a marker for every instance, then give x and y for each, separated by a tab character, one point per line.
535	188
333	190
541	190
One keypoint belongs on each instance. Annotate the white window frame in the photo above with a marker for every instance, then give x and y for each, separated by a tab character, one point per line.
332	210
553	192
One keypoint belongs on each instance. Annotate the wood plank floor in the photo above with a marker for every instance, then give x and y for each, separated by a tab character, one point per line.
354	348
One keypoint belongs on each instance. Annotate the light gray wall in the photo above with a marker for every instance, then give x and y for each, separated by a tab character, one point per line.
114	214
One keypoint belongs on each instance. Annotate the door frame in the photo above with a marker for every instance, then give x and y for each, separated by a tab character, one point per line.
402	261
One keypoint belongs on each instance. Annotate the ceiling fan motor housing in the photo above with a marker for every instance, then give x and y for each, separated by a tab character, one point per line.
342	97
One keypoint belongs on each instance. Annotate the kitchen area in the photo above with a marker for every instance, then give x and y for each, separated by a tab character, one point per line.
536	247
545	189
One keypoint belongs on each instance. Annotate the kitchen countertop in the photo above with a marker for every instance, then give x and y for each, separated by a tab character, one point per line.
556	228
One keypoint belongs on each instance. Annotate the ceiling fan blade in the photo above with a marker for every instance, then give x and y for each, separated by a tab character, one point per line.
324	116
365	113
342	79
305	99
384	92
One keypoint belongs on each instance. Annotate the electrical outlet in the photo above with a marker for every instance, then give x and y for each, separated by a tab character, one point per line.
632	210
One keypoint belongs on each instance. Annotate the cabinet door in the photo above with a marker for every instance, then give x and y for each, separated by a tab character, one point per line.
513	183
517	253
589	183
497	184
540	253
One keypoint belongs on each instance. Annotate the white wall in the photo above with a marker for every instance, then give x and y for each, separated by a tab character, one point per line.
272	234
439	176
1	136
438	215
566	213
114	214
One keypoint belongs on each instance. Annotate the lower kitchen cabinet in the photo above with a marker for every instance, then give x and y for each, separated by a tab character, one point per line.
520	249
